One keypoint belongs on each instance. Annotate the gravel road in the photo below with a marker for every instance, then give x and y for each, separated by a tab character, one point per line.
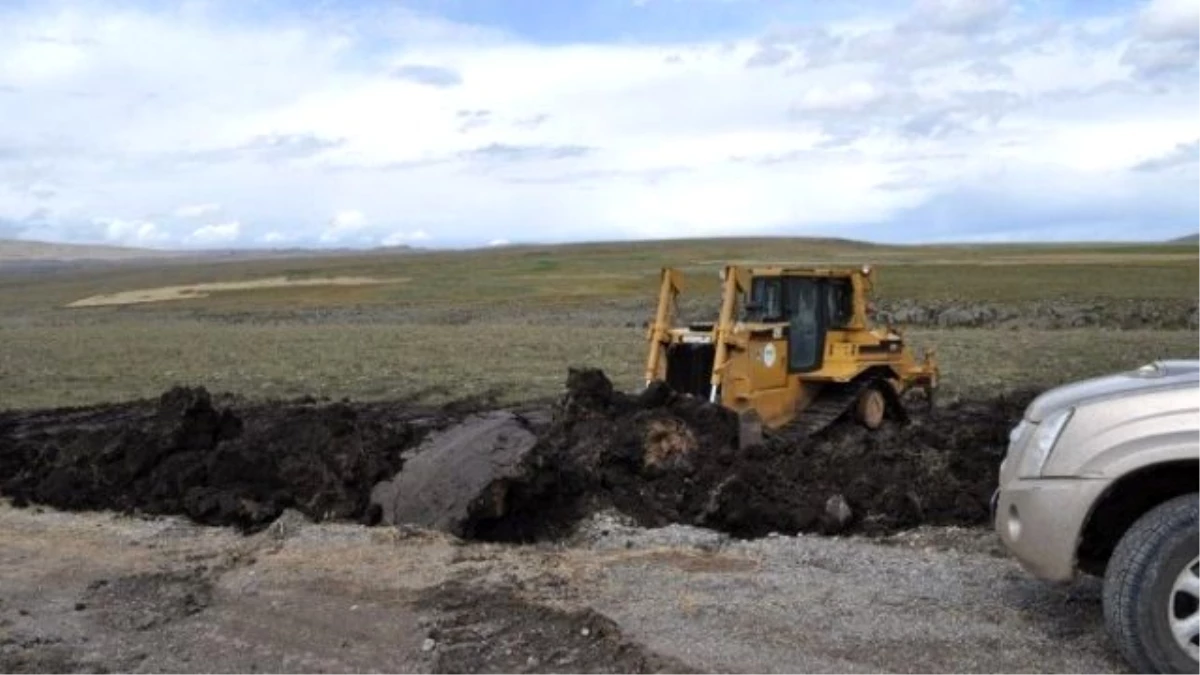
101	592
935	600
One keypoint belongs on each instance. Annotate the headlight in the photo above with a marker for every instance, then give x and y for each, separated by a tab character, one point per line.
1039	447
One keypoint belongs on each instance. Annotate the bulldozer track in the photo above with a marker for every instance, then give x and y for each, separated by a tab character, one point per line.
826	410
831	407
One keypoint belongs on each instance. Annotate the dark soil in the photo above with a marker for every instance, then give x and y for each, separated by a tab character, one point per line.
495	631
659	457
606	449
218	464
141	602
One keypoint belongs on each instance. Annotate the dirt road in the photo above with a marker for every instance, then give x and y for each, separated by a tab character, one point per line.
101	592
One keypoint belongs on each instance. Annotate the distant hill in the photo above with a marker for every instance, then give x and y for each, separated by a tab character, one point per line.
13	250
1187	239
20	252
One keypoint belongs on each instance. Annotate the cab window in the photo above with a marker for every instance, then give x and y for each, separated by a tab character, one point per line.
766	300
839	302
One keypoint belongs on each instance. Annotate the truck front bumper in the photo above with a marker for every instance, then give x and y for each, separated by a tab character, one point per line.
1040	521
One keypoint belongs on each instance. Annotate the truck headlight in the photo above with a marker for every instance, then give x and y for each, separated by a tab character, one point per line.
1037	451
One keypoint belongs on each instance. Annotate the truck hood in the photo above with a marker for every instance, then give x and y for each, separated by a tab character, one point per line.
1156	375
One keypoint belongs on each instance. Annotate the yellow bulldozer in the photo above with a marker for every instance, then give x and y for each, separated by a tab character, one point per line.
791	350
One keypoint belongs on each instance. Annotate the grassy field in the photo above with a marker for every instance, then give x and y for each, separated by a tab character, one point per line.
512	320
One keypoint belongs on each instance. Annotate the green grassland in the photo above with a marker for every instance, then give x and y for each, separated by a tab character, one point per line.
511	320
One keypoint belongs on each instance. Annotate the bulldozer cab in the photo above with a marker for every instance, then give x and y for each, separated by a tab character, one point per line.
808	306
784	340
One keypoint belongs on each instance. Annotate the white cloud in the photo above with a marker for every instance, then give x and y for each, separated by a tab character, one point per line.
851	96
348	220
132	232
301	125
222	233
404	238
344	225
1167	38
961	15
1170	20
499	242
196	210
276	237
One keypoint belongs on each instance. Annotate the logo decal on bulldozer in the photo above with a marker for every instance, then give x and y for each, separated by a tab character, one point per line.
768	355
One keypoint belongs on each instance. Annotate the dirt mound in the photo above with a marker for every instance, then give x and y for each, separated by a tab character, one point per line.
662	457
240	465
659	457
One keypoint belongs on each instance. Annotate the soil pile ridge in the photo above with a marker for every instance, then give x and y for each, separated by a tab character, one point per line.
182	454
662	457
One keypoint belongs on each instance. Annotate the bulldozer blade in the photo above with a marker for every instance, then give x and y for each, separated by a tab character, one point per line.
750	429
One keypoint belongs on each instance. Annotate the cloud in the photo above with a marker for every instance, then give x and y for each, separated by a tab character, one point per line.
499	242
268	148
276	237
532	122
344	225
504	152
1053	206
433	76
196	210
348	220
698	118
1170	20
1154	58
131	232
222	233
473	119
1183	154
850	96
401	238
990	70
960	16
769	55
1167	38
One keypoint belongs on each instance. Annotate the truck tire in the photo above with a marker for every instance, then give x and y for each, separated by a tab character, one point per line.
1150	589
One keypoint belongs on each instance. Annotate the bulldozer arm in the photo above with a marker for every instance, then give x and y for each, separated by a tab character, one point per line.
670	286
731	285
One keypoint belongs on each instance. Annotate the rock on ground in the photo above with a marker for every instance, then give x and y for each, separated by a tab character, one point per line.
457	475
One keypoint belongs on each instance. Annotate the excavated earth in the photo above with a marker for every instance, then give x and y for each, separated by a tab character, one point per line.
219	462
662	457
659	457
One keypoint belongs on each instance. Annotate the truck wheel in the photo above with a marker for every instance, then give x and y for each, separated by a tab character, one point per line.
1152	589
870	408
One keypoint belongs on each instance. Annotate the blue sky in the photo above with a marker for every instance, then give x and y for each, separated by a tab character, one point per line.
269	123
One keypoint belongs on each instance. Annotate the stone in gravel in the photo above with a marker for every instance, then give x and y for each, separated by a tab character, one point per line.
838	514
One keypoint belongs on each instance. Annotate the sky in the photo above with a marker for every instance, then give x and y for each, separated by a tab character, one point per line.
452	123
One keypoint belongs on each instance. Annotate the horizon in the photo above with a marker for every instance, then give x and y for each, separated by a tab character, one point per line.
1184	240
450	124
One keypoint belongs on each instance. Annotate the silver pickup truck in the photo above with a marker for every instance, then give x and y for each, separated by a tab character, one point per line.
1101	477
